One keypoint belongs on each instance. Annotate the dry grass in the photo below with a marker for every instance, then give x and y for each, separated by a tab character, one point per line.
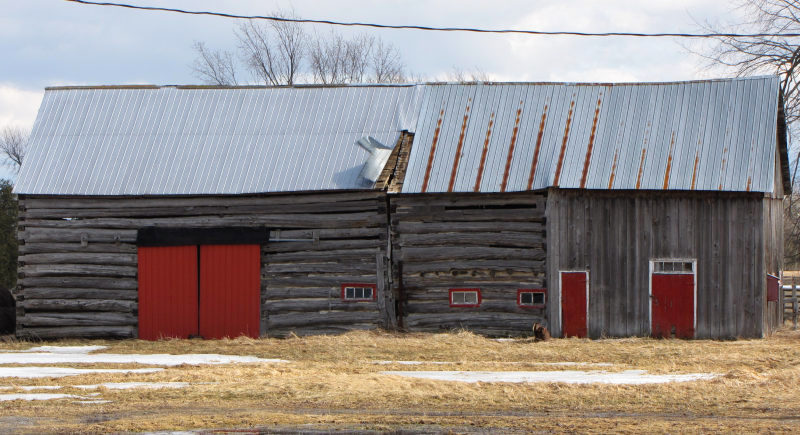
332	383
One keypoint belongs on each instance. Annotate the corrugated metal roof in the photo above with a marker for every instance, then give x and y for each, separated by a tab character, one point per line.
489	137
704	135
192	140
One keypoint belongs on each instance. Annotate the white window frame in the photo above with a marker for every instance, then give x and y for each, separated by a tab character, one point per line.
652	271
373	288
455	290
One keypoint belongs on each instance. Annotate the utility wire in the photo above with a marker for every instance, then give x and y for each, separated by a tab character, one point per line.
442	29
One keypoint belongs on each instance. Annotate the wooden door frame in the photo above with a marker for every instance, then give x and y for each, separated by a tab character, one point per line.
561	299
651	264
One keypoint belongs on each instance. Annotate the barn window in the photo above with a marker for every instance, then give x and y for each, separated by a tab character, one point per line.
358	292
465	297
660	266
531	297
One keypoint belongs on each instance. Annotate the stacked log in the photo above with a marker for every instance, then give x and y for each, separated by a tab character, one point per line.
78	258
492	243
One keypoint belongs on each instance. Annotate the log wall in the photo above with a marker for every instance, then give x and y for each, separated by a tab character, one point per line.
78	259
614	235
492	242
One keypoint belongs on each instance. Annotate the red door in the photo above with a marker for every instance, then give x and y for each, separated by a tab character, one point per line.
574	303
167	292
230	290
673	305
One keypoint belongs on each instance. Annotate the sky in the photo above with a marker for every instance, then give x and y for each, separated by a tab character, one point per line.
54	42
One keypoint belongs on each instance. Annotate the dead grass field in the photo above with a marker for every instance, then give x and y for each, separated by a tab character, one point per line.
333	383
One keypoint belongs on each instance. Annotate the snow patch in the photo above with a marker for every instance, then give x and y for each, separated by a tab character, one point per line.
58	372
65	349
411	363
108	385
131	385
81	355
628	377
564	363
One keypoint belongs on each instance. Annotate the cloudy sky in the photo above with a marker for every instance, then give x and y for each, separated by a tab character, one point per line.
53	42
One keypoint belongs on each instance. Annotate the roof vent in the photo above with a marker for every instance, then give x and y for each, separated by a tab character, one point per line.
379	154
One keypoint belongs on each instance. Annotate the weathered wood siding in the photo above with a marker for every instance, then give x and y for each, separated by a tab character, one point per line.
614	235
492	242
78	259
773	259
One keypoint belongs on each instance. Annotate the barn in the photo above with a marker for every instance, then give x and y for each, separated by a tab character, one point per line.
593	209
182	211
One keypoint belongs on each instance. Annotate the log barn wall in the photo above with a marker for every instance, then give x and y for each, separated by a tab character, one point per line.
78	259
614	235
495	243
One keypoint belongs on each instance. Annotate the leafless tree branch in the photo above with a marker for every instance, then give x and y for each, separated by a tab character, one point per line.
274	51
770	55
214	67
12	145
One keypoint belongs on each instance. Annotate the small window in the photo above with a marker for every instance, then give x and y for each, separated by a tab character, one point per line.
679	267
531	297
465	297
358	292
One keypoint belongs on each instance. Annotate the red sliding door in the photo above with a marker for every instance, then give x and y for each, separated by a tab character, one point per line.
230	290
167	292
214	294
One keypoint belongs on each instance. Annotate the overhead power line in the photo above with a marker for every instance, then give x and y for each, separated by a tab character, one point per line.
442	29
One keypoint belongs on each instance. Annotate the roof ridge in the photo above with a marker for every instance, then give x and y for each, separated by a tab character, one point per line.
377	85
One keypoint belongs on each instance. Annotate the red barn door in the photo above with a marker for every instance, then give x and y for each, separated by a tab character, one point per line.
230	290
167	292
574	303
673	301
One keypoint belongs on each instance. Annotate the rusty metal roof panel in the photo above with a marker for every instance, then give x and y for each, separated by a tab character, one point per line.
178	140
702	135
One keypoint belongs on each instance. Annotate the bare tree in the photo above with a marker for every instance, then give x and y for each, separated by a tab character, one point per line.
360	59
327	59
282	53
12	145
214	67
769	55
273	51
387	64
461	76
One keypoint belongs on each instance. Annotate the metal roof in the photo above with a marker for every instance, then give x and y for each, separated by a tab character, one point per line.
137	140
486	137
704	135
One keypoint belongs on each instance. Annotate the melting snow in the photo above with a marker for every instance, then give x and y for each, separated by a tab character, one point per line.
628	377
81	355
565	363
108	385
58	372
65	349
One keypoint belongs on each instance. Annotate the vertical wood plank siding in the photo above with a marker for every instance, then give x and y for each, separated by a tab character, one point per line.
72	288
492	242
615	234
773	260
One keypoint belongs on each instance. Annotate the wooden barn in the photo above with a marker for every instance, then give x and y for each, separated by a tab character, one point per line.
182	211
592	209
597	210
